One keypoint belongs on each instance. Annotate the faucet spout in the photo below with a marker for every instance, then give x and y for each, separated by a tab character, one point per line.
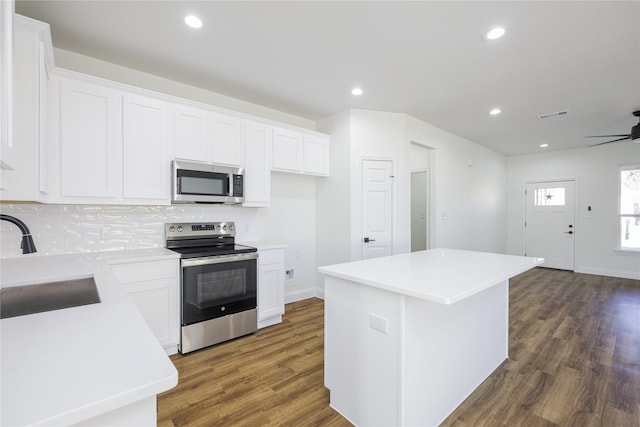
27	245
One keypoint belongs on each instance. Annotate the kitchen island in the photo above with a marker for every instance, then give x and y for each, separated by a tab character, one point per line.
408	337
96	364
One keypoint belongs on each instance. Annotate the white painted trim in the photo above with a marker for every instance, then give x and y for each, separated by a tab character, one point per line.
623	274
300	295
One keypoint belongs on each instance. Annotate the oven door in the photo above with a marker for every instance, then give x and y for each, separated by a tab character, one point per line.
217	286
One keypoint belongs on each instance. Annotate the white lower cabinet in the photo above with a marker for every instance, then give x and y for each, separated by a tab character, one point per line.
154	288
270	286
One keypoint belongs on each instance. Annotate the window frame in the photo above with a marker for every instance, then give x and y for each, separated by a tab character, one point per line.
620	215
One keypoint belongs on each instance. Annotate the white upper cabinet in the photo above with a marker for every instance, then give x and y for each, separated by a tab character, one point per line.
145	144
287	150
204	136
192	134
315	155
90	142
6	86
257	173
32	61
113	146
228	148
299	152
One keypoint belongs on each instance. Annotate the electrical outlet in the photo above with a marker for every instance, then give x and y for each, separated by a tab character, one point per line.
378	323
288	274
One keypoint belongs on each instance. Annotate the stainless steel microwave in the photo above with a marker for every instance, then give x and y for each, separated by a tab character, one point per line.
206	183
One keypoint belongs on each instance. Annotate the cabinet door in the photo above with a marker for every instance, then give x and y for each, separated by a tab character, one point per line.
270	291
287	150
6	85
192	134
315	155
90	141
227	141
145	168
257	170
154	288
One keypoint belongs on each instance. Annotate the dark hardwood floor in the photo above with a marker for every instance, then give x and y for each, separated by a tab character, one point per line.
574	360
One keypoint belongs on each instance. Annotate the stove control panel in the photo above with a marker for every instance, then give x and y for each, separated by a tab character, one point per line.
187	230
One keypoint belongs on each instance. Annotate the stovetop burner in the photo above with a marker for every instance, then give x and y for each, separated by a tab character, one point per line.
194	240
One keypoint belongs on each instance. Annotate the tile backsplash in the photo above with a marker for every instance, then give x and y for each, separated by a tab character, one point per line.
64	229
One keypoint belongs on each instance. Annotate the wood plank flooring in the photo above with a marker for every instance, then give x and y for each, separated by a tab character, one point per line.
574	361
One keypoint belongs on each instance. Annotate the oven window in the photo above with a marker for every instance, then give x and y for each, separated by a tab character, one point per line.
212	288
218	289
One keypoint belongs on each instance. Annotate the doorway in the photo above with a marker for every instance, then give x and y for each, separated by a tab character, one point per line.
419	210
550	223
377	208
420	158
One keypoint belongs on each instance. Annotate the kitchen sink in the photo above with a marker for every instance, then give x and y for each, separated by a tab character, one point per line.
40	297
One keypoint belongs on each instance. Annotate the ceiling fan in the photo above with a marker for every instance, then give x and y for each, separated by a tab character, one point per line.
633	136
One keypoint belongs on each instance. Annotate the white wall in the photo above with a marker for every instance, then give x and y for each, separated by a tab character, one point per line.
62	229
468	188
596	172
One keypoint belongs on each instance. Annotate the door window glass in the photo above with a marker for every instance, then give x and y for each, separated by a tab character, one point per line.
549	196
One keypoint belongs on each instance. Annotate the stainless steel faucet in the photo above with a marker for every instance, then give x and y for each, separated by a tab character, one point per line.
27	244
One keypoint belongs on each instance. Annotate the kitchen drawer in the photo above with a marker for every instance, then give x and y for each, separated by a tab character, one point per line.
271	256
145	271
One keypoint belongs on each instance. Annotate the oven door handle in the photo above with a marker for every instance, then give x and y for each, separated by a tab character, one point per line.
219	259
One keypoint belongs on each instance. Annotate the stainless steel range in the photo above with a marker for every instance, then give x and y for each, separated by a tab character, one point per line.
218	283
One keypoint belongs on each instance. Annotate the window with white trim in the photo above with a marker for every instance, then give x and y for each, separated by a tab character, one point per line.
629	208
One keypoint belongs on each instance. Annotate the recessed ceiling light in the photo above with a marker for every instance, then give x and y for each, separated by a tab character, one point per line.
544	145
356	91
494	33
495	112
193	21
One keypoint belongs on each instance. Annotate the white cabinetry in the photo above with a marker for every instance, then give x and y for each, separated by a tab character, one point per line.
257	173
192	136
32	61
145	157
6	85
270	286
113	146
204	136
153	286
228	148
297	152
90	142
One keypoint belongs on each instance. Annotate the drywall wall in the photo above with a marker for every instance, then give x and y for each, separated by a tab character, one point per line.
468	190
596	173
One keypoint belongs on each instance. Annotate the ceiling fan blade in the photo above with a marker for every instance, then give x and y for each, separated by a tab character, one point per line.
606	136
608	142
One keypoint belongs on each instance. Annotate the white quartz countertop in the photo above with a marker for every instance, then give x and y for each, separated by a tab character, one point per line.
444	276
65	366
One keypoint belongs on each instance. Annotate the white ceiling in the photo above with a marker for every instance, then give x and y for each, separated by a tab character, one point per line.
424	58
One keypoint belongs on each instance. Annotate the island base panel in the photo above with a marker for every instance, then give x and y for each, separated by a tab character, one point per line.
430	359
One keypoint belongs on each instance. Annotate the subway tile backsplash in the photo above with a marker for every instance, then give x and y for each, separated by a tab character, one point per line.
64	229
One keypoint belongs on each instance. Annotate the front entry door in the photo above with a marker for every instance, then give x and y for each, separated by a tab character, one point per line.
377	208
550	223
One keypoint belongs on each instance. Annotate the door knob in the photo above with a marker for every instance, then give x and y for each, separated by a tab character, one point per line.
568	232
367	240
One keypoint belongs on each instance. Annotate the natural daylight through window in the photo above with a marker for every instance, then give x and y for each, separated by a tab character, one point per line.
629	212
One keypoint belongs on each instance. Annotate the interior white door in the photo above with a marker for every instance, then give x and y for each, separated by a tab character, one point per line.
377	208
550	223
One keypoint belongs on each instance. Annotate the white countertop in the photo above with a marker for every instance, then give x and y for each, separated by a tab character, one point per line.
445	276
65	366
